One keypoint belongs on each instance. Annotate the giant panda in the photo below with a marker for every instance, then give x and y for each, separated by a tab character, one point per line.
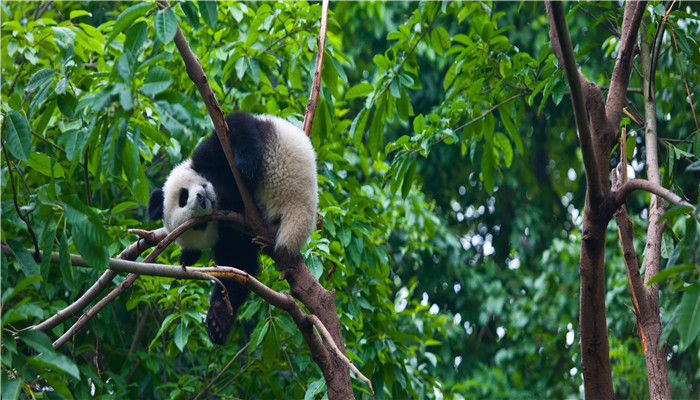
278	165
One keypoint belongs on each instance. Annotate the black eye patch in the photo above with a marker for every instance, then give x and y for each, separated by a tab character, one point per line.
184	195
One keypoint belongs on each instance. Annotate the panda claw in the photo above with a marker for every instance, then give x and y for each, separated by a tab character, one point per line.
262	241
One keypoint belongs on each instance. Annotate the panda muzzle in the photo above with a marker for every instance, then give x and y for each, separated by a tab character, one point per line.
202	201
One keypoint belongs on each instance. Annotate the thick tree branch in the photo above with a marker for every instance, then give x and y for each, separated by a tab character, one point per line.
196	74
561	45
329	340
623	64
642	184
316	85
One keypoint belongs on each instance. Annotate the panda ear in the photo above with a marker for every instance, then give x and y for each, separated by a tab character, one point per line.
155	205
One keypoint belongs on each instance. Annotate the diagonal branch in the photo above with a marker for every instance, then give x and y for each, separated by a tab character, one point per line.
316	85
623	64
196	74
561	45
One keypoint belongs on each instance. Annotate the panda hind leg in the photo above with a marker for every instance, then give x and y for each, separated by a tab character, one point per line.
189	256
219	321
233	250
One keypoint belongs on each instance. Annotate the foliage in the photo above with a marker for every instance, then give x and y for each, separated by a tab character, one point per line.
450	189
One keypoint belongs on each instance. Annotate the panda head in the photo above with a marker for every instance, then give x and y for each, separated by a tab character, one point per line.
186	194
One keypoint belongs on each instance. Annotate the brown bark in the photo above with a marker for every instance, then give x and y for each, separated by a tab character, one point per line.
655	356
597	124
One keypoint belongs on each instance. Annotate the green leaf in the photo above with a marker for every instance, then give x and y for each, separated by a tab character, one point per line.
181	335
73	142
376	130
37	340
25	260
165	24
418	124
357	128
689	317
53	360
258	335
209	12
39	78
163	327
124	66
362	89
127	17
45	165
315	388
67	103
501	141
59	385
19	139
675	210
9	293
670	273
630	144
190	11
78	13
61	85
135	37
271	345
694	166
11	389
64	263
157	81
408	179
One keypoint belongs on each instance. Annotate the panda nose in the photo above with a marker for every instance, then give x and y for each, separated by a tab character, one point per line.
202	200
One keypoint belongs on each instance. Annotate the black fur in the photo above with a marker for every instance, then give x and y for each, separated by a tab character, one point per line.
155	205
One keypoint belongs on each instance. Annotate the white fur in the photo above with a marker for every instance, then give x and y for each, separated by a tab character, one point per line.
173	215
287	190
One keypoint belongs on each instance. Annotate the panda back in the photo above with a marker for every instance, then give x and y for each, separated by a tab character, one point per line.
287	191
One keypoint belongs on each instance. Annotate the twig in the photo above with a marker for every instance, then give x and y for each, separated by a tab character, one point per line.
131	278
22	216
86	176
223	370
329	341
490	110
316	85
130	253
685	80
658	39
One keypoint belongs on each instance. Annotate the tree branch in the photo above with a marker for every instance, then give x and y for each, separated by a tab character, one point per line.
22	216
329	340
623	64
641	184
130	253
561	45
196	74
316	85
107	277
